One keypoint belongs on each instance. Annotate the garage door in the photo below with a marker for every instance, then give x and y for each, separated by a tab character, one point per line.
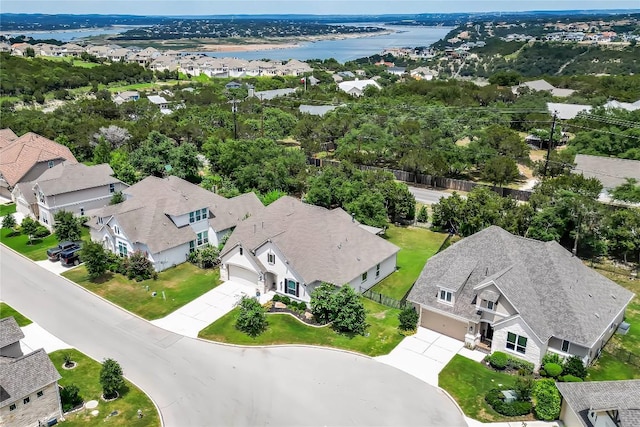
442	324
243	276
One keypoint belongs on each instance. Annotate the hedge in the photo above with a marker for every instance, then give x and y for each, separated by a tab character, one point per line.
547	400
500	360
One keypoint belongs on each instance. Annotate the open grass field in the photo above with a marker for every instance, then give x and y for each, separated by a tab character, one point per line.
180	285
6	311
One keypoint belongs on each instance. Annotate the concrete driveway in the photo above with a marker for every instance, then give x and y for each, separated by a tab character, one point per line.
201	312
53	266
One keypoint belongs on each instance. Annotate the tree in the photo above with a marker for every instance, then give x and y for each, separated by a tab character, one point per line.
9	221
252	319
622	229
560	163
627	192
102	152
523	387
70	397
505	78
321	303
67	226
500	170
115	136
349	313
117	197
139	267
408	319
111	378
574	366
29	227
423	215
95	259
29	52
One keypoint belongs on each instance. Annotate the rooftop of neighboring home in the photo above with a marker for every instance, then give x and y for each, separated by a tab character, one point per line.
629	106
317	110
543	85
68	177
320	244
156	99
270	94
609	396
357	84
10	332
610	171
7	137
567	111
552	290
17	158
24	375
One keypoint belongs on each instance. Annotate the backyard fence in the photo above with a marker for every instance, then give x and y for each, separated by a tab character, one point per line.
625	356
438	182
384	300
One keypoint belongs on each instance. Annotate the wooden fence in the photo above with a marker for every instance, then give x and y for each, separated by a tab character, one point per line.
384	300
438	182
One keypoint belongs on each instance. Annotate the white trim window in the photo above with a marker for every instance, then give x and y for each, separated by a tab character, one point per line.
203	238
123	250
516	342
364	276
377	270
445	296
271	258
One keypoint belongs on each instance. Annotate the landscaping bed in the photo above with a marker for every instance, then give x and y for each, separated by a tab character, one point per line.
86	376
174	288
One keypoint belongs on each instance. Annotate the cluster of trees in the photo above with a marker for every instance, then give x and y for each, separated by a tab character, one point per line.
342	308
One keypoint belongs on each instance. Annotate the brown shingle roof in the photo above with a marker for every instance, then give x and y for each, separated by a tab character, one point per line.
21	155
22	376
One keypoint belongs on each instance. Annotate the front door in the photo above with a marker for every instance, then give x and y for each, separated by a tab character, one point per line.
489	332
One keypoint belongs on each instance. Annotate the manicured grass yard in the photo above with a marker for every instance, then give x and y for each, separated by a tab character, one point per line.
181	284
86	376
417	246
37	249
6	311
7	209
609	366
284	329
468	382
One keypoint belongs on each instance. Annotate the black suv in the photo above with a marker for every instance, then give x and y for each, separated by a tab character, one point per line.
70	257
54	253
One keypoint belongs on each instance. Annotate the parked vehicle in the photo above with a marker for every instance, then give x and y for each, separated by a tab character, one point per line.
54	253
70	257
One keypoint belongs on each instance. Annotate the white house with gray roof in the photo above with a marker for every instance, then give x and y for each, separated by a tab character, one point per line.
72	187
525	297
291	247
600	403
167	218
610	171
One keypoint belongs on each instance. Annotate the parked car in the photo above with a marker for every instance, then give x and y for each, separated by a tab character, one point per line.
54	253
70	257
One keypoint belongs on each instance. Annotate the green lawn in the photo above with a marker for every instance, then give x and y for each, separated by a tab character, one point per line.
6	311
284	329
608	367
417	246
75	62
7	209
86	377
468	382
37	249
180	284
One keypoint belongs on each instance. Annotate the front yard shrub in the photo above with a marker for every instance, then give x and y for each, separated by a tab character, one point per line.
495	399
574	366
41	232
546	400
570	379
70	397
349	313
499	360
553	370
524	386
423	215
139	267
551	358
321	306
95	259
205	257
8	221
408	319
252	319
111	378
522	366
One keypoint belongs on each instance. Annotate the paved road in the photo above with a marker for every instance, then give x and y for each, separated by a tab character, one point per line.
196	383
426	196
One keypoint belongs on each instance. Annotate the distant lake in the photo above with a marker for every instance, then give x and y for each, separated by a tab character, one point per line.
69	35
349	49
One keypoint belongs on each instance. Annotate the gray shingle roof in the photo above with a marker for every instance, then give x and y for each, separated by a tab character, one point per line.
68	177
320	244
274	93
10	332
316	110
567	111
623	396
554	292
611	172
25	375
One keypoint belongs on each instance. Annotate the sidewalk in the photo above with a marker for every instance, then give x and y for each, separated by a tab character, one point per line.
35	337
201	312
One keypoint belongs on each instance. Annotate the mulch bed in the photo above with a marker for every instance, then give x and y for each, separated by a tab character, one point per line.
297	314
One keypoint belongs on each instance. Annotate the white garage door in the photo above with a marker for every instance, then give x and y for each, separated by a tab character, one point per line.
243	276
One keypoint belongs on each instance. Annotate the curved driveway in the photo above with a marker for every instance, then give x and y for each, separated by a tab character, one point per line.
197	383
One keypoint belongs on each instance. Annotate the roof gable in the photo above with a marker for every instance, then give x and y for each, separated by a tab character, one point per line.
24	375
65	178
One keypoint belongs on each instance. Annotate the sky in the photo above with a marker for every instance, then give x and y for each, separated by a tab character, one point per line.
318	7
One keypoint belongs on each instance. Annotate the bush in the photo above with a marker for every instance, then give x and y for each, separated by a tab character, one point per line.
70	397
252	319
551	358
495	399
570	379
349	313
499	360
553	370
574	366
111	378
547	400
139	267
522	366
41	232
9	221
524	386
321	306
423	215
408	319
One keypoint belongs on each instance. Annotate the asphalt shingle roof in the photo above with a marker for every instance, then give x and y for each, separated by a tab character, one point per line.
65	178
24	375
611	172
10	332
623	396
554	292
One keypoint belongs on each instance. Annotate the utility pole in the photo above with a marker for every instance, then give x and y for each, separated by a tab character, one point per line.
261	117
234	110
550	143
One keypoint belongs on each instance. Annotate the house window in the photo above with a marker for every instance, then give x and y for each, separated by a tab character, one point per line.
25	400
446	296
490	305
41	197
12	407
50	164
198	217
192	246
203	238
364	276
241	252
204	213
40	393
271	258
112	188
292	287
122	249
516	342
377	270
565	346
100	220
116	229
192	217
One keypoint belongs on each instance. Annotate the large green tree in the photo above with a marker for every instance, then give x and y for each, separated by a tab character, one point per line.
67	226
95	259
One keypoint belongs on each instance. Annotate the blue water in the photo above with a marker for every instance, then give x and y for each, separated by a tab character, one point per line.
69	35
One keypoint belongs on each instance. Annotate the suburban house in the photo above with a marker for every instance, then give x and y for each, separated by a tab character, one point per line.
72	187
610	171
126	96
291	247
357	87
567	111
600	403
501	292
168	218
7	137
27	157
544	86
28	383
